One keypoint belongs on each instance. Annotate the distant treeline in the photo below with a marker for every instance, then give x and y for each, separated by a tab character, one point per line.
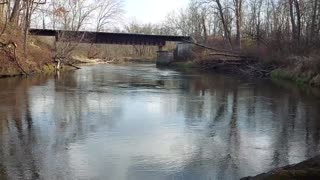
286	26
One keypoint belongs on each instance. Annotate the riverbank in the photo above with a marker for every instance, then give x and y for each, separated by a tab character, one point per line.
19	58
37	67
13	71
299	69
309	169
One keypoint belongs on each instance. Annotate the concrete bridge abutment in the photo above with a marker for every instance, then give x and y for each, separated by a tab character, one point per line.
183	52
164	58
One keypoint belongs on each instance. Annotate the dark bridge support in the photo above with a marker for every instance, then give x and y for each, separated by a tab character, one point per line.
183	52
164	58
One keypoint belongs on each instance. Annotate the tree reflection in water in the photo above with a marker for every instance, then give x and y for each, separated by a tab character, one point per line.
133	122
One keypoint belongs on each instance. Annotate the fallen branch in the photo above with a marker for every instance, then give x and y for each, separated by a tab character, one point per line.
231	55
210	48
69	64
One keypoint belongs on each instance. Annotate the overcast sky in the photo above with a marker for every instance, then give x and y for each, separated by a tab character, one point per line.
151	11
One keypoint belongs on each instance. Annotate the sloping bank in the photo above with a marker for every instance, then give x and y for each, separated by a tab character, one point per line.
309	169
15	60
300	70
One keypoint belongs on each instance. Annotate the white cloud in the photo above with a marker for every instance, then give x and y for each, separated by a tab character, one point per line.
152	11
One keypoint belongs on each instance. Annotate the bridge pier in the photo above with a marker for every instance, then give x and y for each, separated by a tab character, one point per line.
183	51
164	58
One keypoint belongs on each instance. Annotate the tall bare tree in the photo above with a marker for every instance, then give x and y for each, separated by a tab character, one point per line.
14	17
238	14
107	12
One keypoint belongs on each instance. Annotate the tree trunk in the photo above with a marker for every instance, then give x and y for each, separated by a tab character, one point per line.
205	33
224	23
313	21
2	14
238	12
298	28
15	12
293	22
26	26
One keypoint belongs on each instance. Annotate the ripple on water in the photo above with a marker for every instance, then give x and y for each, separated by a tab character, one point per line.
140	122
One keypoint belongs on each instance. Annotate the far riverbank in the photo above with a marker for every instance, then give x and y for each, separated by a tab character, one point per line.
300	70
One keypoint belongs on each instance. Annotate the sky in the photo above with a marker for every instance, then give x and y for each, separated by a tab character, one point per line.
151	11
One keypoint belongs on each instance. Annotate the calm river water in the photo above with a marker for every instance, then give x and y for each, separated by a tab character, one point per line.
138	122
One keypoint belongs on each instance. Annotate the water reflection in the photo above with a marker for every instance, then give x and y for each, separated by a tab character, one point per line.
139	122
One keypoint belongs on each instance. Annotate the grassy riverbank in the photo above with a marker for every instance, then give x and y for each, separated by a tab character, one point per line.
301	70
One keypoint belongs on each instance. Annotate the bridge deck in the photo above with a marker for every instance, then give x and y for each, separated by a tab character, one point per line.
108	38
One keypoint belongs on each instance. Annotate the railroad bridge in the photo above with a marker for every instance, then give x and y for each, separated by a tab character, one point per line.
163	57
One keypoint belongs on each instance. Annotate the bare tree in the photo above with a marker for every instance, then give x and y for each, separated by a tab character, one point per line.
29	6
238	14
221	14
107	11
14	17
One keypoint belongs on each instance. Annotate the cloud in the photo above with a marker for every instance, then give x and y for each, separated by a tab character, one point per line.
152	11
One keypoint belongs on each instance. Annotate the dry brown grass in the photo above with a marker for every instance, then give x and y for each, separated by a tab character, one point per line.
37	54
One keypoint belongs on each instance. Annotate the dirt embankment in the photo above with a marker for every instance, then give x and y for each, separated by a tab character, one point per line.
17	60
303	70
309	169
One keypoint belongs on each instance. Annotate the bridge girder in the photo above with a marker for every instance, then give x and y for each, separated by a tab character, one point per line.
108	38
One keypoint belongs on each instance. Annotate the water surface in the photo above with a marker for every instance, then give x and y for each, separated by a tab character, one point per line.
139	122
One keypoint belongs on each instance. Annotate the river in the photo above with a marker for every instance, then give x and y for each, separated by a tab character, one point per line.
109	122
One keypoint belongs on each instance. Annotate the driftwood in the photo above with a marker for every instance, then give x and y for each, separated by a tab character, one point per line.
257	69
244	67
72	65
60	60
232	55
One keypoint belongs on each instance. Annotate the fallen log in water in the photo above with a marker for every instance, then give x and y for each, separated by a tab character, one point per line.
249	67
72	65
232	55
